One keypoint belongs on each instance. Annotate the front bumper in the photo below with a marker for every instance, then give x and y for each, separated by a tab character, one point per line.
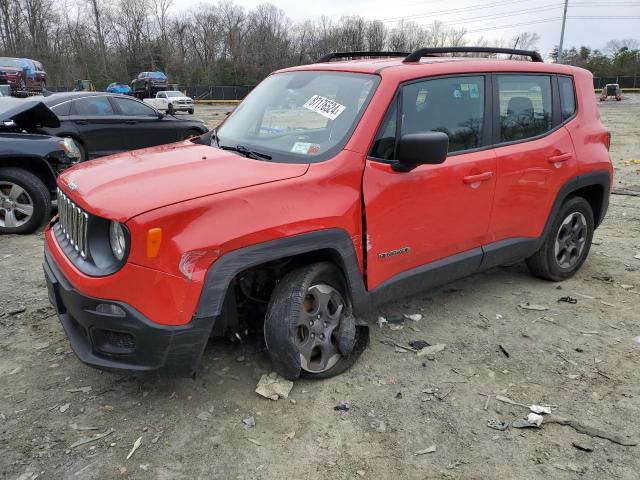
127	340
12	80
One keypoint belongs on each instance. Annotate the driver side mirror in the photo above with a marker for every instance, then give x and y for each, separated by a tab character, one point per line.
421	148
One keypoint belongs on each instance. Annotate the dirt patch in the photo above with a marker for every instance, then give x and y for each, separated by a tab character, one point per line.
581	357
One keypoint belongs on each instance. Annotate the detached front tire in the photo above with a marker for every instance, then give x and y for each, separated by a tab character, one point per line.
309	328
567	244
25	203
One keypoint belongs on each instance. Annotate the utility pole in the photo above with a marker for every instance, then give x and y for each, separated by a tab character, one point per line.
564	20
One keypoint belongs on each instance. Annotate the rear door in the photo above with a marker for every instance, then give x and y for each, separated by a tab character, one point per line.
535	154
434	211
97	125
141	126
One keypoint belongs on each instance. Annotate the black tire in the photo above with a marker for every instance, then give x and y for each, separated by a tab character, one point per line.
38	194
283	319
170	110
191	111
546	263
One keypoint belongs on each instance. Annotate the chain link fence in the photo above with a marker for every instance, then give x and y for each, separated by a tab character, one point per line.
630	81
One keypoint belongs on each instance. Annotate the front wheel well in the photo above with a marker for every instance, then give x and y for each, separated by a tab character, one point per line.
594	195
250	290
34	165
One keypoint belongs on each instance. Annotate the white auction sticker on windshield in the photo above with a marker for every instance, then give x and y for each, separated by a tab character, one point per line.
324	106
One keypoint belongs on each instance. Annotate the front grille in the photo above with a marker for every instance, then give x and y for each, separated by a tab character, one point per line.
73	222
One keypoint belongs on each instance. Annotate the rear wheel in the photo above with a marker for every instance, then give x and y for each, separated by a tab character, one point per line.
567	244
25	203
309	327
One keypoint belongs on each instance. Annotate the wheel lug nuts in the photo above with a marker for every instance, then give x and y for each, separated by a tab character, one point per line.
311	323
326	324
313	335
319	316
322	336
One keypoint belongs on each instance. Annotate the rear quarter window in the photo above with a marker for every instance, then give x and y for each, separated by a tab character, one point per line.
567	97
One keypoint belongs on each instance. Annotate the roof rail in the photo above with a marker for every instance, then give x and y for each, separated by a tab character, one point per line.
431	52
330	56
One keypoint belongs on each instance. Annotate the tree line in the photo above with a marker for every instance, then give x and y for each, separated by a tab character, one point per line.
618	58
213	44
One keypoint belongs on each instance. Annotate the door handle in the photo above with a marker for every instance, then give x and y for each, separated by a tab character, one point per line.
563	157
130	122
480	177
81	122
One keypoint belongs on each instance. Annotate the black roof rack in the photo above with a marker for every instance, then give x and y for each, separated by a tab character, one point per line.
330	56
431	52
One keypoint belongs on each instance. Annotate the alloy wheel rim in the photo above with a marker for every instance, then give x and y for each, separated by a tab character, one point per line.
570	240
315	334
16	205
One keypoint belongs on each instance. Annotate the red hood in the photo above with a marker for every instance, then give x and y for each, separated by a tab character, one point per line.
122	186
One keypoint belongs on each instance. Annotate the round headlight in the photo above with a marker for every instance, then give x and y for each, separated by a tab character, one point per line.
117	240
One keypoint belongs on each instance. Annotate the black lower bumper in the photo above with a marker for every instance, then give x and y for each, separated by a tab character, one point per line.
113	335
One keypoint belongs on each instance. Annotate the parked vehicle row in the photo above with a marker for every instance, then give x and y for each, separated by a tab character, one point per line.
40	136
331	189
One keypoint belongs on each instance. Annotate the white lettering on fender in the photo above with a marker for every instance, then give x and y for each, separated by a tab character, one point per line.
325	107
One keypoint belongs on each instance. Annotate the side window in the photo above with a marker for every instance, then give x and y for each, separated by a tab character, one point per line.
162	95
453	105
92	106
567	97
525	106
134	108
62	109
385	141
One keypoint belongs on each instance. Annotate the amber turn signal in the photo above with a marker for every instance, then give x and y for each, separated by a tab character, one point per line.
154	239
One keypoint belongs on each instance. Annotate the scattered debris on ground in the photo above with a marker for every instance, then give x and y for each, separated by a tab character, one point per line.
273	386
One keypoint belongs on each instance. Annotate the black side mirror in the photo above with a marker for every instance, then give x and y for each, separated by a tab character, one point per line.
421	148
160	115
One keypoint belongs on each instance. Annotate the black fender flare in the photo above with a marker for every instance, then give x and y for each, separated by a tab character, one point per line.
336	240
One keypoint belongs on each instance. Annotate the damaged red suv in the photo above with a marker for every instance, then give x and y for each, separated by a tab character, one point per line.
331	189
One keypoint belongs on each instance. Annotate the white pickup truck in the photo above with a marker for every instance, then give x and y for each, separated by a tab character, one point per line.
171	101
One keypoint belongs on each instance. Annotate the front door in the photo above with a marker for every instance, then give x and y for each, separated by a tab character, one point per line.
140	125
432	212
97	124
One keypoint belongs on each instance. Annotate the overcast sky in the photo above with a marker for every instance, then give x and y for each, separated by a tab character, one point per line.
496	18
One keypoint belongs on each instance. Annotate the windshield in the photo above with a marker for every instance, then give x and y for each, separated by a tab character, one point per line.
299	117
158	75
174	94
10	62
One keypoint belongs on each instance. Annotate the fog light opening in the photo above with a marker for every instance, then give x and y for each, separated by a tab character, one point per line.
110	309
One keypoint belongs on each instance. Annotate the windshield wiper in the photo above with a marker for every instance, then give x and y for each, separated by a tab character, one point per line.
246	152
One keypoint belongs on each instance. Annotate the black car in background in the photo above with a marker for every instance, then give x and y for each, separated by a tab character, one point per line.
147	84
103	123
29	164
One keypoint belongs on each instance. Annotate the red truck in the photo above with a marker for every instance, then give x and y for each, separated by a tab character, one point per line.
331	189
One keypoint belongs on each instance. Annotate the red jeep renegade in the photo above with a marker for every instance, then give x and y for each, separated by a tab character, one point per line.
332	188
